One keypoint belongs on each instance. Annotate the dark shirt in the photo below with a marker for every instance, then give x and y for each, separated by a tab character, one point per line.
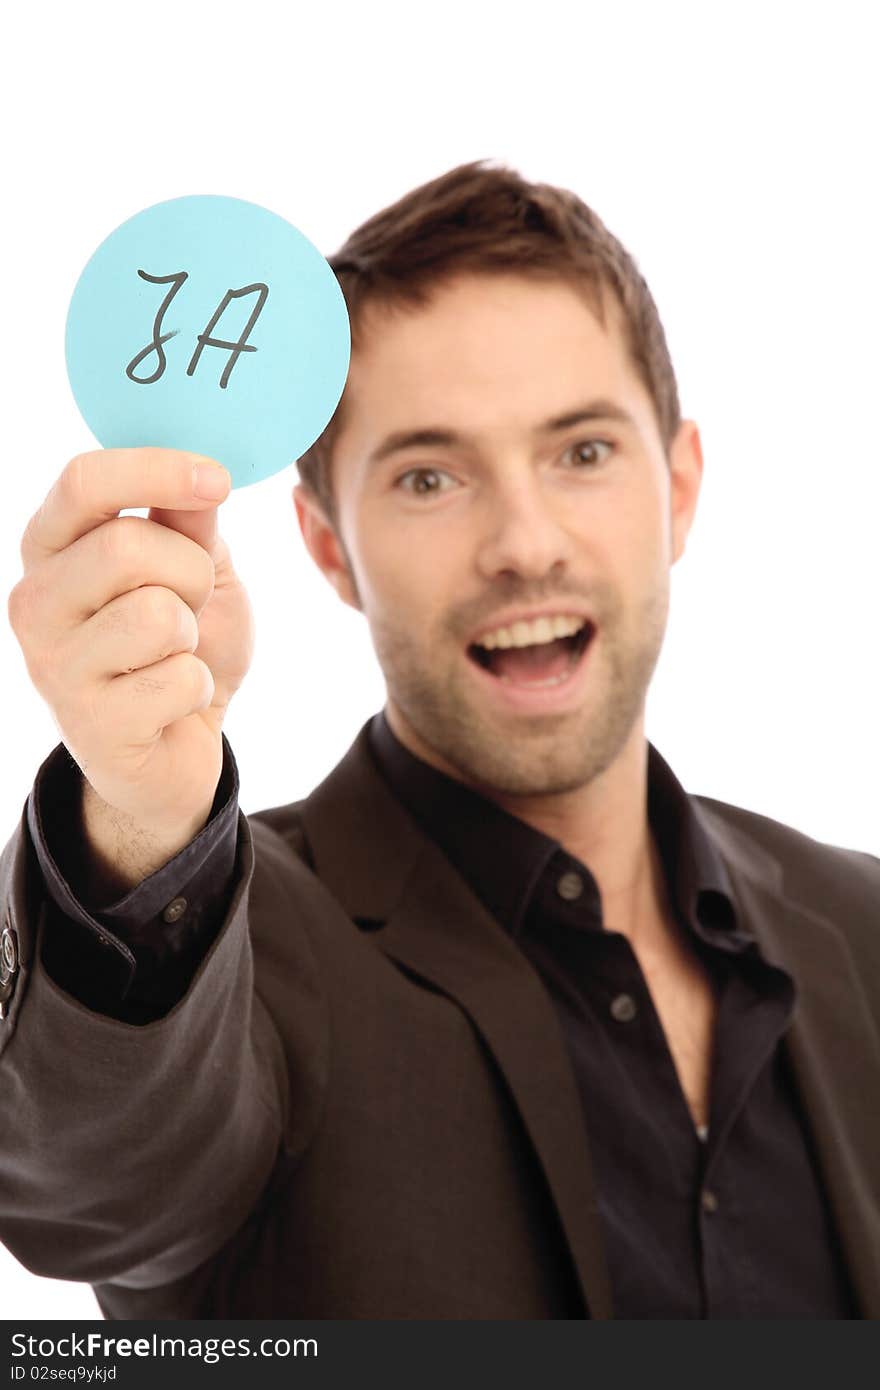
732	1224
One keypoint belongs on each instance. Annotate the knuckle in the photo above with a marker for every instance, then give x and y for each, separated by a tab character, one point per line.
15	606
76	477
160	608
122	540
187	627
29	545
201	675
21	608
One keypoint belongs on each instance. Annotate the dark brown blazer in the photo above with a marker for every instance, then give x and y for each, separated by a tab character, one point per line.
363	1107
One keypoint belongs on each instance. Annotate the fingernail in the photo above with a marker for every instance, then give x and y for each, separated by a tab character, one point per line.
210	481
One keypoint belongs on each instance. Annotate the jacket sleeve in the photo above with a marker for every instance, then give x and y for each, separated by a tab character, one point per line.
130	1152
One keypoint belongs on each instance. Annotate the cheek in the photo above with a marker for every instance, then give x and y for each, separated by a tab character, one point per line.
406	572
638	528
392	579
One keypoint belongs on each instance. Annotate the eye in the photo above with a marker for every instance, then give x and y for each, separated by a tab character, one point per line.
424	482
589	444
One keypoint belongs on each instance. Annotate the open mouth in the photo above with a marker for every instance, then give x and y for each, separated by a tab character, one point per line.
536	664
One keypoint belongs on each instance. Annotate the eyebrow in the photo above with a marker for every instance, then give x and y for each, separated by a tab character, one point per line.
408	439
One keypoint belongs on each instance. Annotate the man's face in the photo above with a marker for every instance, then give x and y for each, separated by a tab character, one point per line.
446	544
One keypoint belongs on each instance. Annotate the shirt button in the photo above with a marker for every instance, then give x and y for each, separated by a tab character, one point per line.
624	1008
708	1200
570	886
174	910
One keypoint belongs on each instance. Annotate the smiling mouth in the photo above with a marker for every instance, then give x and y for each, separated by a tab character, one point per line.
536	665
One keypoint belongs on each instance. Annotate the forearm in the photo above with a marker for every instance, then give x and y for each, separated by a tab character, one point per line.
103	1121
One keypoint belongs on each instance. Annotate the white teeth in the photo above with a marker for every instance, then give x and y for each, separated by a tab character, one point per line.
527	634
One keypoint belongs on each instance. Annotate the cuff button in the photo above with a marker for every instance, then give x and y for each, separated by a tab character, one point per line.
8	952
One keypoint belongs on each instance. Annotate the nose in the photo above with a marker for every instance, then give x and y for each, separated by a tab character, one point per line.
524	533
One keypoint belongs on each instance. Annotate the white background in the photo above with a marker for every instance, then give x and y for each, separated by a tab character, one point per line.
732	149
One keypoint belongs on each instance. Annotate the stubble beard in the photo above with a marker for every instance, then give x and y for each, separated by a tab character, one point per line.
528	755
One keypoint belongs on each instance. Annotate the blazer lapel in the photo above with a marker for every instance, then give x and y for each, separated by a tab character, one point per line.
832	1044
380	866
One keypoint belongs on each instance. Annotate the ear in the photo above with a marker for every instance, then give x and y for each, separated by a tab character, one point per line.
685	477
325	545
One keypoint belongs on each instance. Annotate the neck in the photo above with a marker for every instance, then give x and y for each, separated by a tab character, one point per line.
604	824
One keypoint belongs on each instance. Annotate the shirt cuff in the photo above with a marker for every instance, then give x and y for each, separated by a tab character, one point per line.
135	957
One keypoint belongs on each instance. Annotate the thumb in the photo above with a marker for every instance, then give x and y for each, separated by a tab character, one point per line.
198	523
200	526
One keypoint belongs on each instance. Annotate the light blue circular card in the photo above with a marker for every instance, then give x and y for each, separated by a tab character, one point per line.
212	325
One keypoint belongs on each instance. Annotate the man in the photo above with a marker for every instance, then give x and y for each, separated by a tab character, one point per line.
499	1022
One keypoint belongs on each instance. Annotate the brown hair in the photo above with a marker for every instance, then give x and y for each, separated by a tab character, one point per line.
488	219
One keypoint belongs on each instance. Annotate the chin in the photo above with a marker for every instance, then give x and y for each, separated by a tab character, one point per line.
523	780
542	761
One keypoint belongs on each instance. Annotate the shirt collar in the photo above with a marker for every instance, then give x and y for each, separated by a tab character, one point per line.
503	858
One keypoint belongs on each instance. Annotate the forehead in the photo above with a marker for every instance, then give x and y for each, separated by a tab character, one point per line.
486	347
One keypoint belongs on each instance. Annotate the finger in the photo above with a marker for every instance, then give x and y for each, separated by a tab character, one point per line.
134	631
119	556
201	526
138	706
95	487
